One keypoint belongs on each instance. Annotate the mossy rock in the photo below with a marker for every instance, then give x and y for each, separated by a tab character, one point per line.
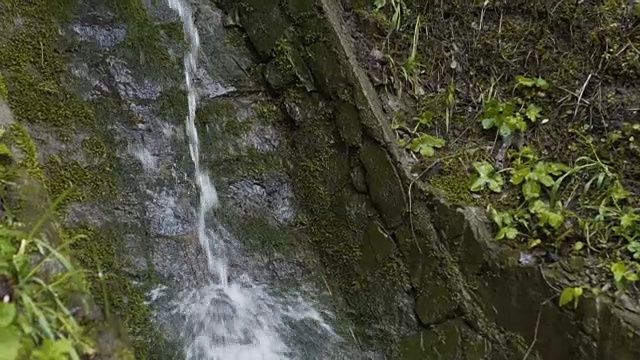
385	188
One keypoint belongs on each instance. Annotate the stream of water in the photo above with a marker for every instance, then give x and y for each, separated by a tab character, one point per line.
232	318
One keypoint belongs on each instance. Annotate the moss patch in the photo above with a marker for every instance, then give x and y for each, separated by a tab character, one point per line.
114	292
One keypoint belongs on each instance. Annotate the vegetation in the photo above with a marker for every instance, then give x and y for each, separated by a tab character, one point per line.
544	95
43	296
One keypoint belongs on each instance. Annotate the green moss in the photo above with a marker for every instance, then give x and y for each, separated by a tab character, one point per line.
143	36
95	148
88	182
34	67
19	137
4	93
269	112
97	251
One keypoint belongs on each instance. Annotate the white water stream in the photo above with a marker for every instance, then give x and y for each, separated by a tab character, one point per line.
232	318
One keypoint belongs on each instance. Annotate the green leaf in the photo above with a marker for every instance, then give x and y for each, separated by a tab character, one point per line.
425	144
495	183
7	314
525	81
531	190
505	130
379	4
533	112
628	219
488	123
9	343
553	219
542	83
507	232
54	350
618	269
483	168
518	175
566	296
477	184
578	246
534	243
426	118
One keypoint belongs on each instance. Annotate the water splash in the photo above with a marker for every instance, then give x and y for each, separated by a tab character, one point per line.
233	318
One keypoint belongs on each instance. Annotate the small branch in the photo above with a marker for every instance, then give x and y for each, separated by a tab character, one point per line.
535	337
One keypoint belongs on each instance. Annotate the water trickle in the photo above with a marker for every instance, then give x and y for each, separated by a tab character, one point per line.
233	318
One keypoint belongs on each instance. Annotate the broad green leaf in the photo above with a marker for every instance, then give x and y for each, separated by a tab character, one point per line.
379	4
478	183
495	183
531	190
507	232
7	314
488	123
542	83
9	343
518	175
631	276
426	118
566	296
557	168
533	112
483	168
553	219
618	269
538	206
525	81
578	246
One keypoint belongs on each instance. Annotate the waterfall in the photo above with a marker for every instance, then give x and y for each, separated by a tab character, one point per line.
231	317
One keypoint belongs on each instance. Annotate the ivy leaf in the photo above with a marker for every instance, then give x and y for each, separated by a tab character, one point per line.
533	112
9	344
7	314
507	232
531	190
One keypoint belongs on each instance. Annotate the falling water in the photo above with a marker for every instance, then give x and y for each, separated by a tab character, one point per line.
233	318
